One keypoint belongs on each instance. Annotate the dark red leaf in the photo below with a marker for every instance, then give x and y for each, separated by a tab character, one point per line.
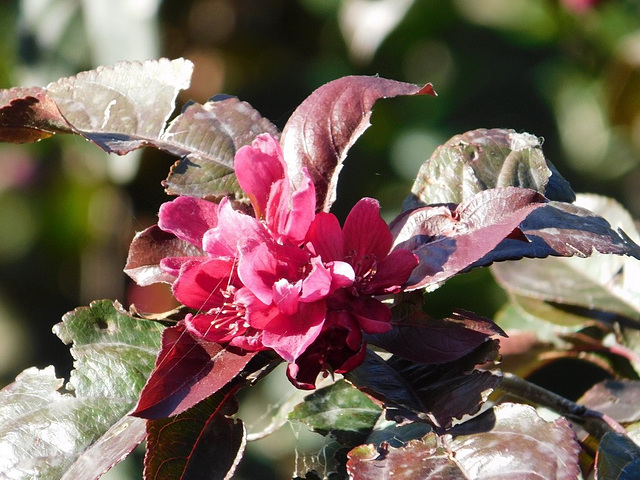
148	248
202	443
616	398
427	340
187	371
449	239
322	129
29	114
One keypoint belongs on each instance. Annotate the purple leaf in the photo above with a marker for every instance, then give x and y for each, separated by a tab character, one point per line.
449	239
512	441
618	457
148	248
200	443
419	459
426	340
29	114
615	398
484	159
187	371
323	128
208	137
109	107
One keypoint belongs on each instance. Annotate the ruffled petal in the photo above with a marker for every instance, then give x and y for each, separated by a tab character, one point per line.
188	218
203	285
257	168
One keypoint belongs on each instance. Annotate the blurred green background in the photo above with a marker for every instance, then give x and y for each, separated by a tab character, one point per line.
565	70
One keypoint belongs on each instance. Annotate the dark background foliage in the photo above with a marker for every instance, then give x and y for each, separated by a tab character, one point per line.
67	213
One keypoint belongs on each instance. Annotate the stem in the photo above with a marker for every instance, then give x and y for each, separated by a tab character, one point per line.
594	422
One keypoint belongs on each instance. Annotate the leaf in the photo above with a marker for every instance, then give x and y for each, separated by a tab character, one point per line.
187	371
125	106
484	159
606	283
212	133
618	457
449	240
437	393
325	125
148	248
418	459
28	115
426	340
615	398
201	443
44	430
512	441
110	448
339	409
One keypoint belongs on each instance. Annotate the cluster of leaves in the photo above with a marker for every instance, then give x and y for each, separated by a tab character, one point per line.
418	410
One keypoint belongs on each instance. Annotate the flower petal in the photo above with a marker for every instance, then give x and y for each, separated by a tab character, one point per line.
257	168
365	232
188	218
289	336
372	315
326	237
201	285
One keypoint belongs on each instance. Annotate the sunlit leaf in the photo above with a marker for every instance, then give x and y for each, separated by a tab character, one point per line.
46	430
148	248
323	128
451	239
512	441
339	409
202	443
28	114
423	459
616	398
483	159
187	371
608	283
212	133
124	106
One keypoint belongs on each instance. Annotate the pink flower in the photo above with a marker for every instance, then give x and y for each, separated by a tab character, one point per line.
285	279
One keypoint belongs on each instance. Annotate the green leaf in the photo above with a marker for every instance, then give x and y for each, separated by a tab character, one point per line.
617	458
44	429
340	409
608	283
483	159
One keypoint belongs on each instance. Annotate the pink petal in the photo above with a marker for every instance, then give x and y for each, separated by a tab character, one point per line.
317	284
392	272
342	275
257	268
172	265
289	215
257	167
365	232
325	235
233	229
286	296
188	218
290	336
199	284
